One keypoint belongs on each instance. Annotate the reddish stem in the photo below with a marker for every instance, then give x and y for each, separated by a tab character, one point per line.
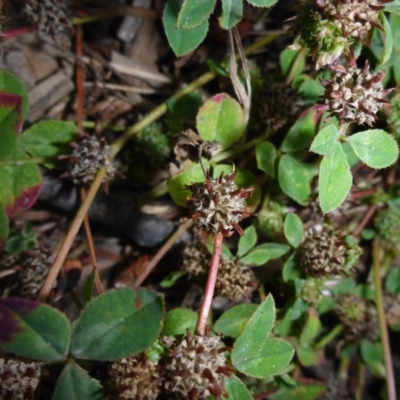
212	279
16	32
370	213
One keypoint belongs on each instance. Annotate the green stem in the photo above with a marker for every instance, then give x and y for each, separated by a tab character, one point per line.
38	160
390	381
329	337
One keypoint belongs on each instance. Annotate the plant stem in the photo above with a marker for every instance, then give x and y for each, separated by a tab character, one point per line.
70	237
329	337
390	381
160	254
211	281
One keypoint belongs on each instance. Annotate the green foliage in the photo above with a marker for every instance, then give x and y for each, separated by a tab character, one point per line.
178	321
266	157
236	389
9	83
33	330
293	229
117	324
232	13
255	354
194	13
264	252
247	241
75	383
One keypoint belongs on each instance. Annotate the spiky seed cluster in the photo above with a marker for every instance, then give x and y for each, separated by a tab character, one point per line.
196	367
196	259
354	94
136	378
218	205
358	316
387	223
50	16
236	281
324	253
18	379
89	155
35	265
354	17
392	309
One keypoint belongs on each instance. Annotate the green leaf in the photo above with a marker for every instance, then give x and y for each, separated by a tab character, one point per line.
75	383
324	142
182	41
236	389
262	3
9	83
375	147
265	252
49	139
293	229
372	355
253	353
247	241
176	185
300	392
171	279
334	180
301	134
298	309
311	329
392	282
194	12
232	13
34	330
221	118
178	321
393	7
386	32
266	157
117	324
291	270
309	356
287	60
294	179
232	322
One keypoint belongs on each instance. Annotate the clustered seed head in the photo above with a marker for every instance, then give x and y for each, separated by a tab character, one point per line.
311	290
329	27
354	95
358	316
354	17
196	367
270	219
387	223
278	106
136	378
236	281
90	155
196	259
218	205
35	265
392	309
50	16
324	253
18	379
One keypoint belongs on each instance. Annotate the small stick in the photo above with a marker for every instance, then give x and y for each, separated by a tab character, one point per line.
212	279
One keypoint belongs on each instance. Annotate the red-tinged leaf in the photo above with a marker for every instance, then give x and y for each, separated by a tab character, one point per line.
13	102
25	200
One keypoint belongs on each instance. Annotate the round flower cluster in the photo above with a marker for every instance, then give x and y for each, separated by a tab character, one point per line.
136	378
196	367
18	379
218	205
354	94
50	16
88	156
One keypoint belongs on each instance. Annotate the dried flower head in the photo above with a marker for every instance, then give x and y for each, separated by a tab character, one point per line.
196	259
354	95
88	156
354	17
50	16
326	253
18	379
218	205
136	378
392	309
311	290
236	281
35	265
336	388
358	316
196	367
